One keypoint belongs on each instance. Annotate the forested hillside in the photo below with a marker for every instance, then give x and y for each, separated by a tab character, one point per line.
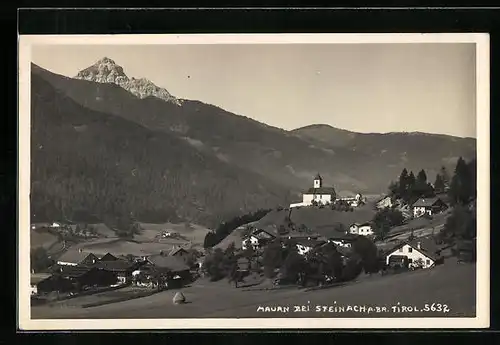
88	162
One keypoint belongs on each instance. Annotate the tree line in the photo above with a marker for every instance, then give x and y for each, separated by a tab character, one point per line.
88	166
226	227
461	187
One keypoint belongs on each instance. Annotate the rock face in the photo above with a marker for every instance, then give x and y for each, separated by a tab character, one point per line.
107	71
179	298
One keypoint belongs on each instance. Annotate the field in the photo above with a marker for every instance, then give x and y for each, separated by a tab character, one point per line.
451	285
39	238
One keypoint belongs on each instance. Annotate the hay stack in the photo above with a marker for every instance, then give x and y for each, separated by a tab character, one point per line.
179	298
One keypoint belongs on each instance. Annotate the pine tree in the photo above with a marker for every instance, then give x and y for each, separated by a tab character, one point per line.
445	177
410	189
403	183
461	184
439	184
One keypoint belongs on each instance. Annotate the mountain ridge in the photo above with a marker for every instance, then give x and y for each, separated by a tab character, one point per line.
105	165
106	70
290	158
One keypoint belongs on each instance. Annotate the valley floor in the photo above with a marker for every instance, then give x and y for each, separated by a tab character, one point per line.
451	284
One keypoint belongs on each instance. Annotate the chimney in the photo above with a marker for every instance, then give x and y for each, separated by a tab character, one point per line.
80	250
419	245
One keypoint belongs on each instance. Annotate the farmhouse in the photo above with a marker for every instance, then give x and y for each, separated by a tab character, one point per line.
179	252
318	193
422	252
341	239
172	268
305	245
74	257
259	238
107	257
81	277
385	202
429	206
122	268
363	229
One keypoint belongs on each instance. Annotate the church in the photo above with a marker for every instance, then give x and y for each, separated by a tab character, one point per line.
318	193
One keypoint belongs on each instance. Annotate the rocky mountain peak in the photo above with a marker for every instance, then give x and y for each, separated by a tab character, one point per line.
107	71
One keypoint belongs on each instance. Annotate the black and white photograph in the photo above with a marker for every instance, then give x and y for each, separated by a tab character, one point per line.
254	181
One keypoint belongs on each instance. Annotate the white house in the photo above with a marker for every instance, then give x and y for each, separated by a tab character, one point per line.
429	206
304	246
353	201
364	229
317	193
420	252
257	238
384	202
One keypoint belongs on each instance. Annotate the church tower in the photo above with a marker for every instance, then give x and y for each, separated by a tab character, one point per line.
318	181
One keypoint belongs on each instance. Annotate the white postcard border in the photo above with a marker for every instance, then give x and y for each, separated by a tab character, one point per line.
483	182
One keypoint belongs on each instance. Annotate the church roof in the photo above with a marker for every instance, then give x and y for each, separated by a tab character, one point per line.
321	190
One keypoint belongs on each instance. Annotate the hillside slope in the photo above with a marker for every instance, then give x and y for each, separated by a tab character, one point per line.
105	165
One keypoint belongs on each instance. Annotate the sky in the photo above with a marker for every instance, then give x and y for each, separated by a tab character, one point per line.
425	87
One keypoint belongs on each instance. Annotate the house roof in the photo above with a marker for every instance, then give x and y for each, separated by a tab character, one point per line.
171	263
74	271
306	242
321	190
176	250
74	256
115	265
362	224
426	202
38	277
382	198
427	247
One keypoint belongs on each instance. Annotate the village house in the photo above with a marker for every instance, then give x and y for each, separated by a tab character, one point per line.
174	271
363	229
107	257
179	252
422	252
304	245
259	238
121	268
74	257
341	239
318	194
385	202
428	206
76	278
353	201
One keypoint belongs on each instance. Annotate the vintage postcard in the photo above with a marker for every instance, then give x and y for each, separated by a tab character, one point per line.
328	181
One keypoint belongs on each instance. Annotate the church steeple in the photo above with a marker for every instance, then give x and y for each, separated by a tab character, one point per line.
318	181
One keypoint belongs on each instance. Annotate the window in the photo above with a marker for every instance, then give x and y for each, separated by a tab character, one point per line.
410	249
401	249
427	262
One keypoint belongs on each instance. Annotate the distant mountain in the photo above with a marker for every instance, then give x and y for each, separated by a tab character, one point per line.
413	150
289	158
89	162
107	71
